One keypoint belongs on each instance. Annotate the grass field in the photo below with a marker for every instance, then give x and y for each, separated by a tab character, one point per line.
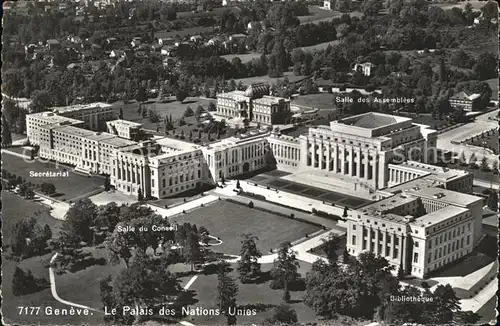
247	57
319	47
14	209
184	32
229	221
318	14
445	5
248	295
320	101
270	80
173	107
65	187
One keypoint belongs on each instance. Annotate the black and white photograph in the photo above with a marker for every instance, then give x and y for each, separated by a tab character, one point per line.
250	162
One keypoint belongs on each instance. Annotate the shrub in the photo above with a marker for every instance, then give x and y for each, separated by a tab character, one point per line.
250	204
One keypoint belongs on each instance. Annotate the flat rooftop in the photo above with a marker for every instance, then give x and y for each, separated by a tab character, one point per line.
74	131
118	142
445	196
50	117
78	107
268	100
438	216
373	120
175	144
436	172
125	123
388	204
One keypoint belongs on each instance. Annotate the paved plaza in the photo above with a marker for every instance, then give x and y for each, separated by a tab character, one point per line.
274	180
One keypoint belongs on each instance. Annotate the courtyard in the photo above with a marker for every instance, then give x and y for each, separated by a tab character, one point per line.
65	186
171	107
275	181
229	221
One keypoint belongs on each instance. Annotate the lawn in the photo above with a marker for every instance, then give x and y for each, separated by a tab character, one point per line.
270	80
319	47
229	221
476	5
247	57
490	142
65	186
320	101
259	296
318	14
14	210
172	107
184	32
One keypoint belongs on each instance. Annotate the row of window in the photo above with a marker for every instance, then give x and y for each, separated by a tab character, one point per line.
450	235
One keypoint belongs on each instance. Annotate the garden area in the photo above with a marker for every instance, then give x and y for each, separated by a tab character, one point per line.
488	139
14	210
257	296
65	189
168	108
228	221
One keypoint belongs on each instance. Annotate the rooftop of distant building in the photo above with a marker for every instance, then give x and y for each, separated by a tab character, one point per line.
125	123
438	216
50	118
373	120
444	195
78	107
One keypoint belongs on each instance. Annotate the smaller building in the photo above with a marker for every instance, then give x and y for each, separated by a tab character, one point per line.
327	4
124	128
465	101
364	68
53	44
196	38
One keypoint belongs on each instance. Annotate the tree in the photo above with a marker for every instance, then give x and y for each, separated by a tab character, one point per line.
485	67
211	106
199	111
345	256
444	305
493	200
141	94
285	270
193	253
181	95
107	183
6	134
188	112
472	160
79	221
238	184
248	265
371	7
330	247
131	288
283	314
119	248
48	188
120	115
140	196
227	291
23	282
40	101
484	164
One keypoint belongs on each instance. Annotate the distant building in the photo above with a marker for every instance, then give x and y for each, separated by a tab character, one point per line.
464	101
196	38
253	104
123	128
328	5
364	68
53	44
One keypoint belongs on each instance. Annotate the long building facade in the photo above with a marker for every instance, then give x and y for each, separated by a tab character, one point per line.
360	147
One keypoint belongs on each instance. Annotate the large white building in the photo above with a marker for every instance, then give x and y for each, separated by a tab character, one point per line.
421	227
358	148
253	104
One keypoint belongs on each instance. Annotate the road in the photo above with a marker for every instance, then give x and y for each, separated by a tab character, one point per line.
481	124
